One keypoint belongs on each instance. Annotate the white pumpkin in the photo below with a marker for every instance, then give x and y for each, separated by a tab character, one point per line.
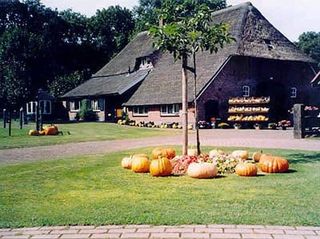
202	170
240	154
215	152
126	162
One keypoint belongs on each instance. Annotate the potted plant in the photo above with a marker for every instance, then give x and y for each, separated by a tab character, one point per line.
284	124
272	126
257	126
237	126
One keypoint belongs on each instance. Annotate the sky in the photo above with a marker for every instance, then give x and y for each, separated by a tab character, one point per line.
291	17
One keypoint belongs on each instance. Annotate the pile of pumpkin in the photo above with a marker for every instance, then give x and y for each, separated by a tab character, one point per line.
203	166
47	130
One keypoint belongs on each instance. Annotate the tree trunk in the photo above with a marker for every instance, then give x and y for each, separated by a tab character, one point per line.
184	104
196	105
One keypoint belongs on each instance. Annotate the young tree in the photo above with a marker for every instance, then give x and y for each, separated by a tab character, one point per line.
309	42
187	29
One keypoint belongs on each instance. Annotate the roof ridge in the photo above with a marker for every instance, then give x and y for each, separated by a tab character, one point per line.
244	5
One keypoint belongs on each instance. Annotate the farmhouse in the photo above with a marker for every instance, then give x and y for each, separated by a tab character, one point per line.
258	77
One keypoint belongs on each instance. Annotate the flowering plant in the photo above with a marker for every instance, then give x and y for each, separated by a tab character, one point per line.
284	123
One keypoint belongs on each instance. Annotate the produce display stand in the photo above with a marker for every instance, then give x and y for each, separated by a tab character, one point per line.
249	111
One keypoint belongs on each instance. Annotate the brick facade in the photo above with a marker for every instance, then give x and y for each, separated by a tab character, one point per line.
252	72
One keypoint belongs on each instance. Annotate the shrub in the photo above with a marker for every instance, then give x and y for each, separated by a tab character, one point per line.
87	114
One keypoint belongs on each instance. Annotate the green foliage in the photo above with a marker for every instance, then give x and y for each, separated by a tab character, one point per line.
41	47
86	113
146	14
309	42
62	84
188	28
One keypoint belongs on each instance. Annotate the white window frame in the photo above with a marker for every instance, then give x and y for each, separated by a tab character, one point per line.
45	111
31	107
140	111
246	91
73	104
145	63
97	105
170	110
293	92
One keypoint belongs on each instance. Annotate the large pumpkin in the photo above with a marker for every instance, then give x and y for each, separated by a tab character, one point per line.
158	153
33	132
246	169
140	163
202	170
273	164
160	167
256	156
126	162
51	130
242	154
169	153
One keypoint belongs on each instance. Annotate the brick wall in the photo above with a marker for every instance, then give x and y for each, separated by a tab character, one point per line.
155	116
242	71
251	72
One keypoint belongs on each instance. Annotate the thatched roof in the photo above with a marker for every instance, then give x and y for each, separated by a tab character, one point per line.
255	37
107	85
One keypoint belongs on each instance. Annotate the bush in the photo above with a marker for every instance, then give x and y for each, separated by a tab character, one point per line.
87	114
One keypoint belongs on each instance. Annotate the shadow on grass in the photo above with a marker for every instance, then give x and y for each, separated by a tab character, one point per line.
304	158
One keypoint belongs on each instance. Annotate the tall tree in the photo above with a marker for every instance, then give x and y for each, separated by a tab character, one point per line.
309	42
146	13
187	28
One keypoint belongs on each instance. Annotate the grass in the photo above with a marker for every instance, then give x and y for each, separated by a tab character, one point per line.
96	190
79	132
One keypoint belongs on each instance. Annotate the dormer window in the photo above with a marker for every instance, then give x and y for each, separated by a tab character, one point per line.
269	44
145	63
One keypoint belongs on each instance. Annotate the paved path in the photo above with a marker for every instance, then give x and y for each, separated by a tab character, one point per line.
146	231
215	138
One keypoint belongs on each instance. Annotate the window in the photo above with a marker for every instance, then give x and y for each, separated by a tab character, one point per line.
75	105
45	107
97	105
293	92
145	63
246	91
140	110
31	107
170	109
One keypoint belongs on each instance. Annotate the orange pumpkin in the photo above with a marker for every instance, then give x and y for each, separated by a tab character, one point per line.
169	153
273	164
140	163
51	130
241	154
202	170
246	169
256	156
158	153
160	167
126	162
33	132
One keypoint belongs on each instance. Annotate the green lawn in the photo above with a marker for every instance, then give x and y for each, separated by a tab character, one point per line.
96	190
79	132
